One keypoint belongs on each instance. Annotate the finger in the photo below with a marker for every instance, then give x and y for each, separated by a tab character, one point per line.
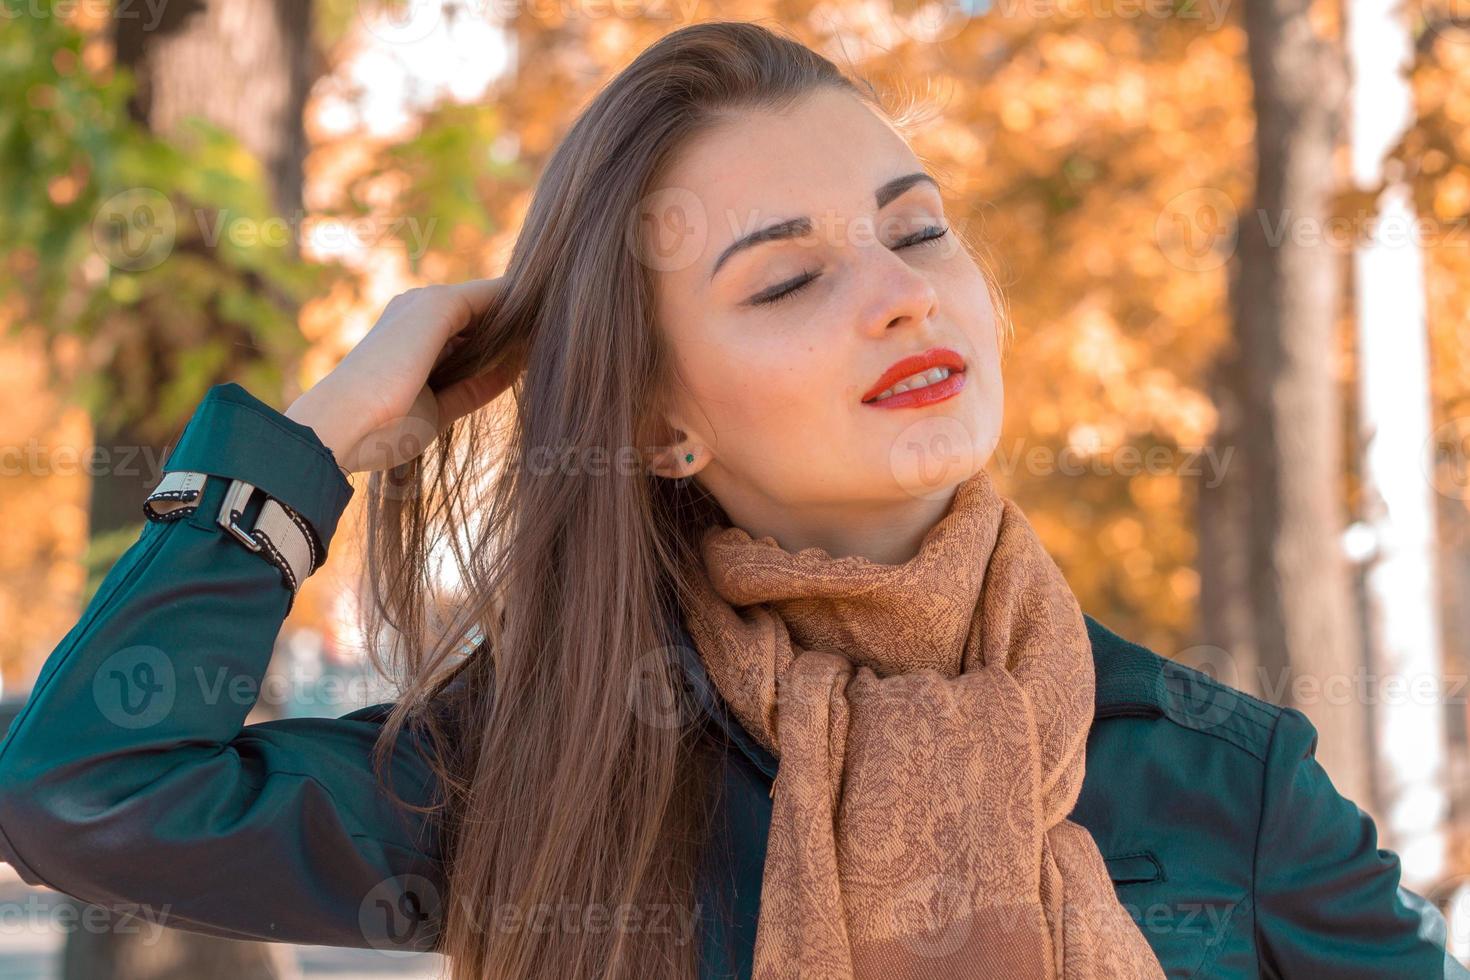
479	294
450	346
464	397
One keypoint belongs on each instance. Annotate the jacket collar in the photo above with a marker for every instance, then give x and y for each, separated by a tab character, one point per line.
1129	680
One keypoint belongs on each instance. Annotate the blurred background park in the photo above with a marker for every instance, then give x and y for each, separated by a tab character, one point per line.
1234	236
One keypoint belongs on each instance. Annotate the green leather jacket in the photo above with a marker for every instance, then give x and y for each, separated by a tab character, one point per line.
131	780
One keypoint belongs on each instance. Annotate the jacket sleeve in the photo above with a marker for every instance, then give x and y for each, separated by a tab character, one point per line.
129	779
1328	898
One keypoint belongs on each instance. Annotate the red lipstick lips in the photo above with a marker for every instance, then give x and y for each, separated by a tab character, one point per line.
934	357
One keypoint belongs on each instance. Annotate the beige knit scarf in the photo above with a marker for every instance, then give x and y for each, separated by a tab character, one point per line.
931	723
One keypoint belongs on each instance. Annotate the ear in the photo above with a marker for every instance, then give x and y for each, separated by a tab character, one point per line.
671	452
677	460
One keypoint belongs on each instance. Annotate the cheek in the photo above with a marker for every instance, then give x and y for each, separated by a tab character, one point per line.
991	394
784	393
772	393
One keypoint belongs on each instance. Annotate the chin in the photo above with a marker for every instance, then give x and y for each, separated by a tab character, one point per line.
932	453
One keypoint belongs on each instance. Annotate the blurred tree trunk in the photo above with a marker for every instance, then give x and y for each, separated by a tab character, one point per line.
1286	319
246	66
1394	413
1225	622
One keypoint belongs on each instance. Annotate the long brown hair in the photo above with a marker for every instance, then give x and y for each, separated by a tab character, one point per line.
567	760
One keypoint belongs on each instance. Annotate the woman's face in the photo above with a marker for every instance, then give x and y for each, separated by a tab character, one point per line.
779	340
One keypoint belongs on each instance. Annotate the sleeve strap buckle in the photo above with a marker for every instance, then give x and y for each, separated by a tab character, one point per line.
279	532
280	535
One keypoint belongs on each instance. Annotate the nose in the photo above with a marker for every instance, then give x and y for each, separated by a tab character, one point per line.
898	295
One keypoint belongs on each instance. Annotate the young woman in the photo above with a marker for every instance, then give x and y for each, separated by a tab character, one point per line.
769	679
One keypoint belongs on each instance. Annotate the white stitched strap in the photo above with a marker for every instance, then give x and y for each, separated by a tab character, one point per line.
177	495
278	533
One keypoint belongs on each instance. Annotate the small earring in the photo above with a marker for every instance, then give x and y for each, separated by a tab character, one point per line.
688	457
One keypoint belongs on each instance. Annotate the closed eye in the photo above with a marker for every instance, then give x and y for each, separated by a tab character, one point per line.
927	236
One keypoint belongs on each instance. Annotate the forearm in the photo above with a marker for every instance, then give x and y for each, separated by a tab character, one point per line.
130	777
329	417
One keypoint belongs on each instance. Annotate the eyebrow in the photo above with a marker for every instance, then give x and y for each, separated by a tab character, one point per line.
796	227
